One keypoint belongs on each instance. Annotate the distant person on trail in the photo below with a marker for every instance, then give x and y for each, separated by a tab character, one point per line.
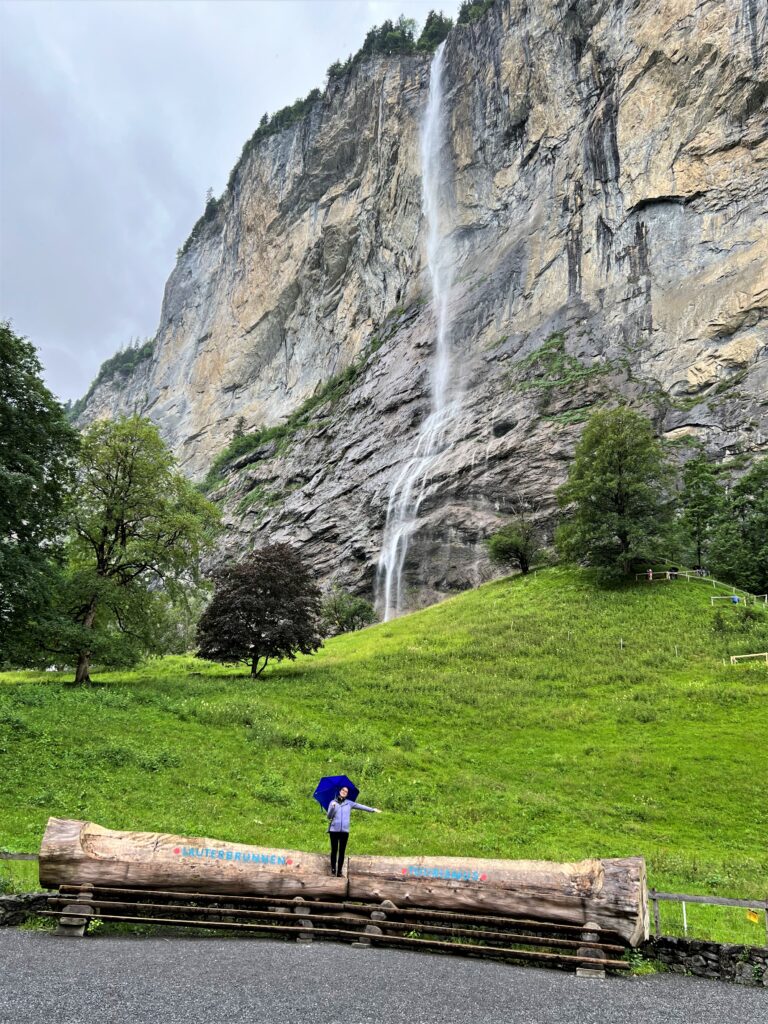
339	813
649	574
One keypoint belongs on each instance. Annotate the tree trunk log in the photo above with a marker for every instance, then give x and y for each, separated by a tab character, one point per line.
611	893
73	852
83	670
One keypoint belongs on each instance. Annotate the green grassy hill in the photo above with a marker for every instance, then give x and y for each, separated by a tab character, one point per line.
541	717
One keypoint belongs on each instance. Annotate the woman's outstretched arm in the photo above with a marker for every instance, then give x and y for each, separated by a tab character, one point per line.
362	807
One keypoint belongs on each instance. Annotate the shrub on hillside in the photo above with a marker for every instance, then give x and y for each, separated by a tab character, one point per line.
518	544
343	612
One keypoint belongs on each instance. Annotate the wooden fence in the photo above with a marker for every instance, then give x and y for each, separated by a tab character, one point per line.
668	575
743	657
710	901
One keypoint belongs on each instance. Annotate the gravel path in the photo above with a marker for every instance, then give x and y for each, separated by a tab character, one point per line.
227	981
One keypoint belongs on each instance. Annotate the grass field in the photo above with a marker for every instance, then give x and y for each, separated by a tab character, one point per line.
541	717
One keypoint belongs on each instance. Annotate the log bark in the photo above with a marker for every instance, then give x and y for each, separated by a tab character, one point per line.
74	852
611	893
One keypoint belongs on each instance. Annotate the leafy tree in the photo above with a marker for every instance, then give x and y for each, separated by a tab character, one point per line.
700	498
36	449
265	608
136	532
518	543
342	612
617	493
738	548
436	28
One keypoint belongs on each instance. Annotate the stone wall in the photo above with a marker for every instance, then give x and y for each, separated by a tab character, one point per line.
745	965
16	908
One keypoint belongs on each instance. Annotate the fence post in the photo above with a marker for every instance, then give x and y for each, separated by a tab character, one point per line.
657	925
685	920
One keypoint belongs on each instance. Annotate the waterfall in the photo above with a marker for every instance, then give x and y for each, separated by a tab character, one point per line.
410	485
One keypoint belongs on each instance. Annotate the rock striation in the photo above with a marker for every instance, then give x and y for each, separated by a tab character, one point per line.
611	229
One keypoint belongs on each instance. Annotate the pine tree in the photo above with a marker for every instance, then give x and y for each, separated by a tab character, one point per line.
701	497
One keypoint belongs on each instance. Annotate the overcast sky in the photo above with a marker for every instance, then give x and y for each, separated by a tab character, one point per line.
115	118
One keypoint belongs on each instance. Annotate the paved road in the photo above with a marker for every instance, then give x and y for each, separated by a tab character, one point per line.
178	980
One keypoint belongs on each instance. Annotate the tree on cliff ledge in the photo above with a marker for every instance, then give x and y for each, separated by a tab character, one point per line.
137	530
617	494
265	608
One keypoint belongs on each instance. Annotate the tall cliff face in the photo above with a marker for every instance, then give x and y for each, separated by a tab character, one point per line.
610	182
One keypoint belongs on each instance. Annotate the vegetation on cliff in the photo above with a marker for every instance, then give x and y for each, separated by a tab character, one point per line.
121	364
390	39
542	716
243	443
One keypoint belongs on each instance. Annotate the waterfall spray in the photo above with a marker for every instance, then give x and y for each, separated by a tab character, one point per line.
409	486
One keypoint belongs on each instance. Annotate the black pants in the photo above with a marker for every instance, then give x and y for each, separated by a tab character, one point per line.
338	849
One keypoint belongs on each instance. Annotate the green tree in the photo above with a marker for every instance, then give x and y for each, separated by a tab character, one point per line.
436	28
471	10
136	532
700	498
36	449
263	609
616	493
738	549
518	543
342	612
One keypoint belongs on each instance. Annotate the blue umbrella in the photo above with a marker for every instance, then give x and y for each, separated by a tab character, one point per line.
329	786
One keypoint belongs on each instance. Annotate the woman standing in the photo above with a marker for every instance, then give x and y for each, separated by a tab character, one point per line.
339	812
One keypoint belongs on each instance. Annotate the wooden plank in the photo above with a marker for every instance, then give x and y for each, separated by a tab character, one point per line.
4	855
714	901
410	911
453	947
419	913
530	940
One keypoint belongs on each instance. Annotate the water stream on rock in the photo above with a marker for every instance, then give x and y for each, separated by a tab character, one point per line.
410	485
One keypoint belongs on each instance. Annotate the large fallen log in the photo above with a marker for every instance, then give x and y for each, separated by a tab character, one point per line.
608	893
76	852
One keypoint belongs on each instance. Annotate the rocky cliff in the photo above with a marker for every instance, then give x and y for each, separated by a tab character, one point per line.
610	220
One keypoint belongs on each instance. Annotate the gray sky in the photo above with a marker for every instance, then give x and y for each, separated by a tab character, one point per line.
115	118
